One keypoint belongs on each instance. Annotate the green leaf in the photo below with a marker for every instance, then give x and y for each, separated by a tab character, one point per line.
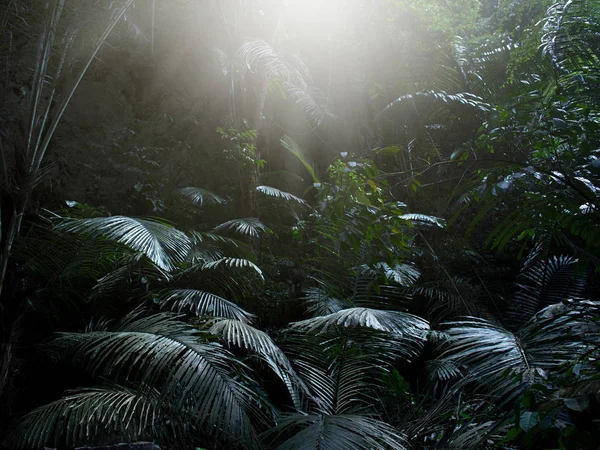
529	420
578	404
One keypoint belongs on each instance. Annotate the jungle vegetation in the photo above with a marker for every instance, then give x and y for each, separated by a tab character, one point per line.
239	224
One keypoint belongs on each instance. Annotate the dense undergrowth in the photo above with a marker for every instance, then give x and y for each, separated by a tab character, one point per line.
247	224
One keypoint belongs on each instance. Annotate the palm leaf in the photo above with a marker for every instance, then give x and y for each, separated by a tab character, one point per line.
249	226
202	304
85	416
233	263
200	197
396	322
544	283
464	98
162	244
291	146
281	179
505	362
276	193
244	336
344	368
161	351
212	246
312	101
422	219
571	35
402	274
337	432
261	57
318	303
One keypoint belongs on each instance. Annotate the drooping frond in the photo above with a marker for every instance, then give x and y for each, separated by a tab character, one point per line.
222	279
403	274
212	246
318	303
442	370
244	336
291	146
249	226
234	263
162	244
260	56
276	193
504	362
463	98
423	219
396	322
572	34
93	415
544	283
337	432
161	351
312	101
202	304
129	271
66	256
200	197
342	369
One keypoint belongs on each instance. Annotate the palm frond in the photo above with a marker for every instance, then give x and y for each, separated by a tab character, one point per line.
161	351
249	226
464	98
276	193
244	336
345	367
259	56
216	246
161	243
423	219
200	197
318	303
202	304
571	35
239	263
291	146
396	322
312	101
402	274
545	283
442	370
222	280
337	432
505	362
92	415
128	276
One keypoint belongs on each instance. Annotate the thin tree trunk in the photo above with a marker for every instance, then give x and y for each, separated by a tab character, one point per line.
13	230
6	355
38	143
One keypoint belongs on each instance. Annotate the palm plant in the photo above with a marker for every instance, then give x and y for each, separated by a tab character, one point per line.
552	327
167	377
342	358
172	370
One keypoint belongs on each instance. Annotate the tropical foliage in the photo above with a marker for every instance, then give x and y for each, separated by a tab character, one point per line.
219	230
